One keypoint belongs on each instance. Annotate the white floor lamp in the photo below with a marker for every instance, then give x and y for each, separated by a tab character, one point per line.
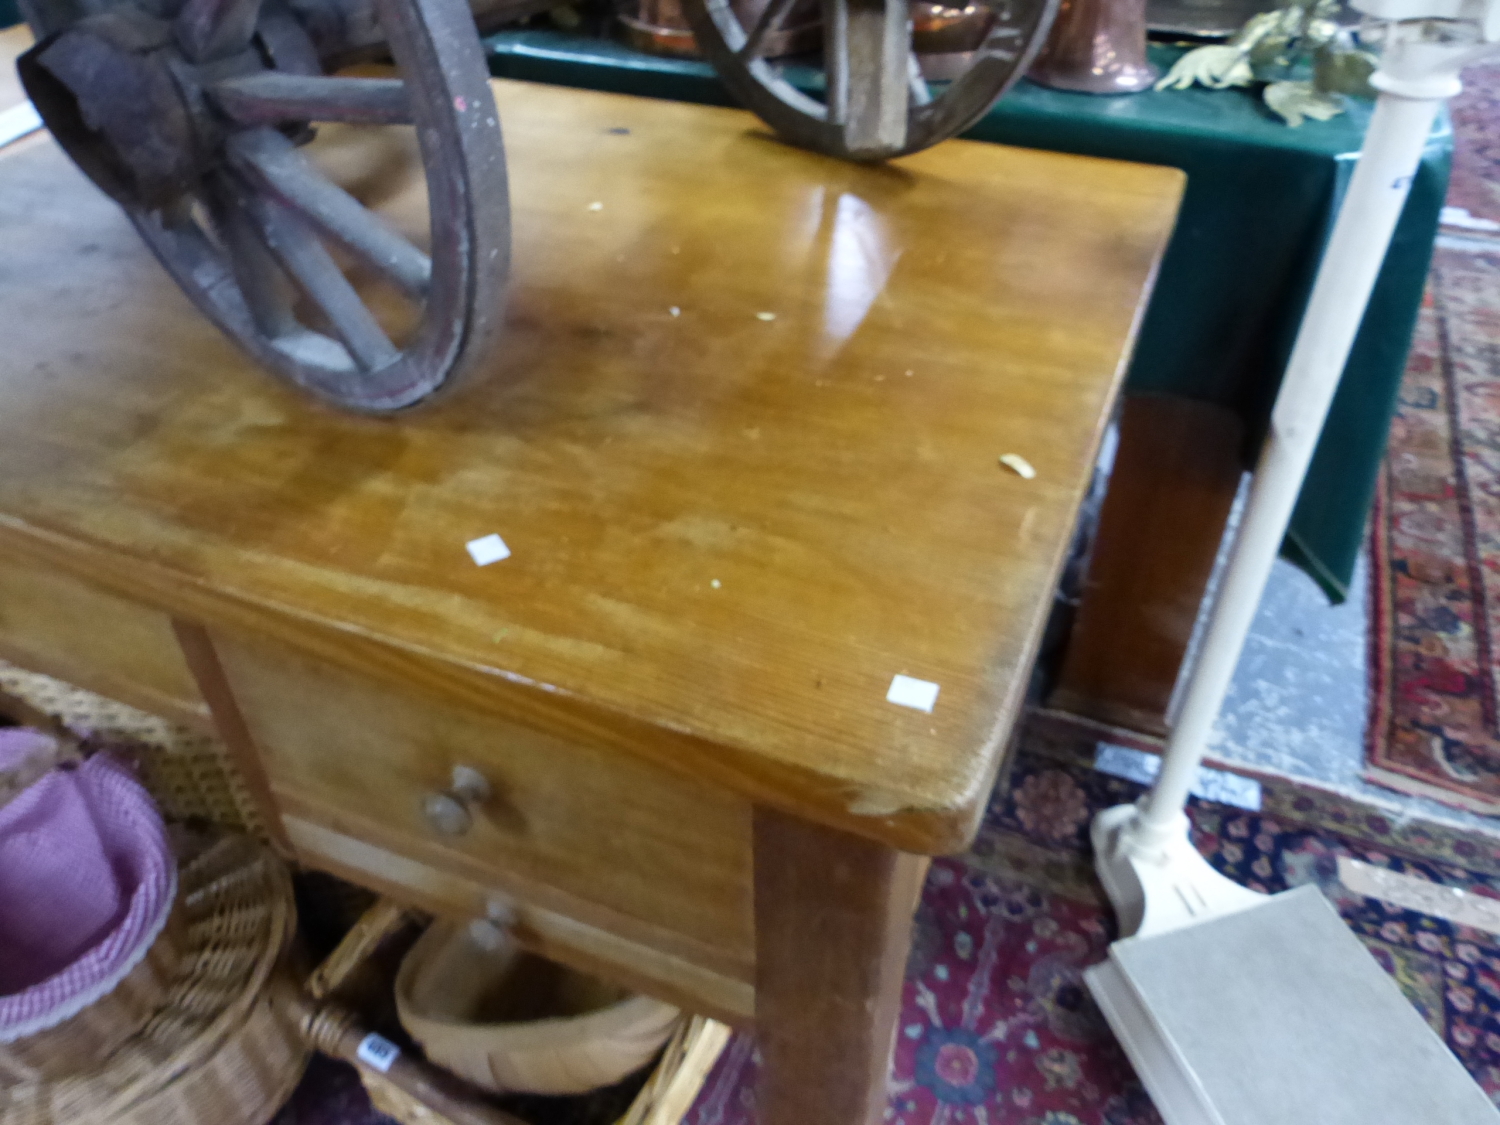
1207	969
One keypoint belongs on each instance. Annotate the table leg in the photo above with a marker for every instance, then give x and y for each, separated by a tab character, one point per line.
1174	482
833	915
203	661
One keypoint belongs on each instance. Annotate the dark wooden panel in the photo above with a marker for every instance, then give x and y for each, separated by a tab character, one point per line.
1174	482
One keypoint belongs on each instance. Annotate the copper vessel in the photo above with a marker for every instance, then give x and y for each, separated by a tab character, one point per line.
946	36
1096	47
658	27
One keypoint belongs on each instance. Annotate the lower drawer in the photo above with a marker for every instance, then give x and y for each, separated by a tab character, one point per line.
552	933
610	841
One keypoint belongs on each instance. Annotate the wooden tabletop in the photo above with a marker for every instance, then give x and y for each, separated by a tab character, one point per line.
13	41
743	442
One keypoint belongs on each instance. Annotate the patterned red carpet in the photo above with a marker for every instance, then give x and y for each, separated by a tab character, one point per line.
997	1026
1435	538
1476	161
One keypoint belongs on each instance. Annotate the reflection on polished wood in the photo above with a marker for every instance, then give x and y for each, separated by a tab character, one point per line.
729	531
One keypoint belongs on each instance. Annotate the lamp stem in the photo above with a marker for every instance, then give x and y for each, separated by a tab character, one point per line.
1362	233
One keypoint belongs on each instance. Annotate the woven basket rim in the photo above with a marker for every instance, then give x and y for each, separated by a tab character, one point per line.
603	1023
222	1073
103	987
134	840
161	1055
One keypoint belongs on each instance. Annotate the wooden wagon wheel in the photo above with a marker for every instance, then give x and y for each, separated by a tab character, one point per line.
873	101
192	114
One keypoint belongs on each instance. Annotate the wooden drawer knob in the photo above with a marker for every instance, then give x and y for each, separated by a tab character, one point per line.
449	813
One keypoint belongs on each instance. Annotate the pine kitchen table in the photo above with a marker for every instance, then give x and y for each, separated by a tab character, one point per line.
742	443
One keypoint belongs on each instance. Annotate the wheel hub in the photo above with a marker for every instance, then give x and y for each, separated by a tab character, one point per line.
193	113
125	98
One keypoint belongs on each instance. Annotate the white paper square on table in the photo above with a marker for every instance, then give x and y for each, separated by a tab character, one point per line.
487	549
908	691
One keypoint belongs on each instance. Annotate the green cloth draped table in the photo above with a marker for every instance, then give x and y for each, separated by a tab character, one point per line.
1260	202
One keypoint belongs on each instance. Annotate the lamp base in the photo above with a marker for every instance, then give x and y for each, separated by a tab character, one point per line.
1155	879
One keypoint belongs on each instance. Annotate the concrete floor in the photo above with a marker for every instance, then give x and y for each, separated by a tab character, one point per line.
1300	698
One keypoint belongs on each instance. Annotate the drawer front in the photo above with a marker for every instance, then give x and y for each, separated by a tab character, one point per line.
552	933
54	624
613	841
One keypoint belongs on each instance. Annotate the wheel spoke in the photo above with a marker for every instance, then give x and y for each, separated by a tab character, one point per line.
769	21
836	59
287	44
920	94
213	29
1004	43
260	279
318	275
272	98
275	165
879	81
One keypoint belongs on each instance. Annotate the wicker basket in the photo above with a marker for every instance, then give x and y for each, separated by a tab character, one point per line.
187	772
258	1061
219	1052
93	1033
60	1018
680	1073
483	1015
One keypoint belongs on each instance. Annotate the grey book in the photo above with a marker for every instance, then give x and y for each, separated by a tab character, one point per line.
1278	1015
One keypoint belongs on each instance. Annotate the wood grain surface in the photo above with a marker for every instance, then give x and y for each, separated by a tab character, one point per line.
229	723
54	624
732	524
564	930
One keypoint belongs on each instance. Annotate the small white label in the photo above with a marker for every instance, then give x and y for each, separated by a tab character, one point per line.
487	549
378	1051
1460	217
907	691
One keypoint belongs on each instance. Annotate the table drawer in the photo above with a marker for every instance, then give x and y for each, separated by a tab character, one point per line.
617	842
54	624
556	935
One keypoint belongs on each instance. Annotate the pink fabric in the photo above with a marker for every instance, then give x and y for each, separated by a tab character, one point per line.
86	880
